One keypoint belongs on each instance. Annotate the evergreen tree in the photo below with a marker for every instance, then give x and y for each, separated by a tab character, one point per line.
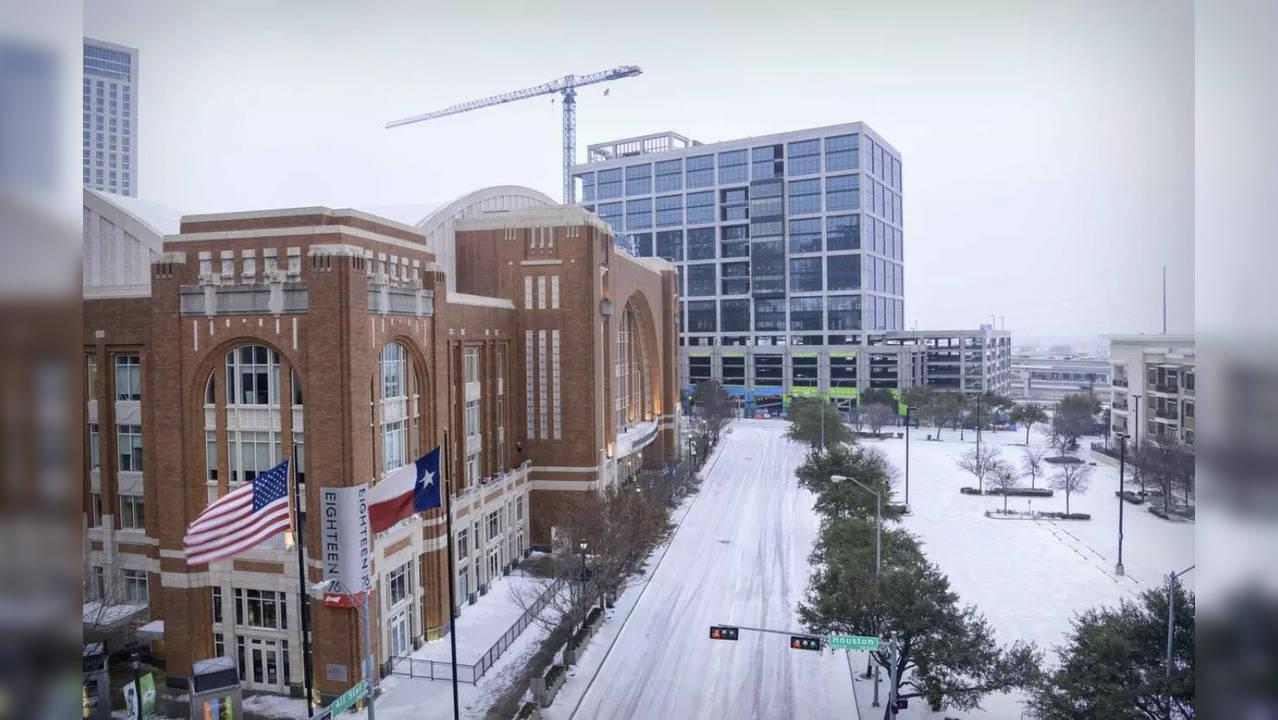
807	427
1027	415
845	499
1113	664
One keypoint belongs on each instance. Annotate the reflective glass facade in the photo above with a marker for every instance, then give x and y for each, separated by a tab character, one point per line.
784	241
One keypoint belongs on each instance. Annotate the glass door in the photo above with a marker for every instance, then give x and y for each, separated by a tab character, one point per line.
262	663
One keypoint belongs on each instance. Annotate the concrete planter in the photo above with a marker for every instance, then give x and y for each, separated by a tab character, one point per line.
544	693
528	711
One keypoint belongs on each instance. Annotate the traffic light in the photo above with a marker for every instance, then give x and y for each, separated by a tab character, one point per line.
723	632
805	642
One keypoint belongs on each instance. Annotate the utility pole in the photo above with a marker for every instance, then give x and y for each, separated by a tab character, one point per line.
1171	626
1122	463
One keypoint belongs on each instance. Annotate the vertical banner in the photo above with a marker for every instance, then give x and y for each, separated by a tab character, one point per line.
147	692
131	700
346	546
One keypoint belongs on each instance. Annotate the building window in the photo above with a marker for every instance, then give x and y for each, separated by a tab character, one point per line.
734	241
394	445
471	364
128	443
843	272
391	366
398	584
843	232
98	588
472	418
732	167
586	187
669	210
842	192
611	214
639	214
609	184
700	172
670	245
494	525
463	544
805	196
472	470
805	275
95	509
128	377
669	175
841	152
701	243
805	157
95	447
210	455
769	314
805	235
260	608
766	162
252	373
805	312
700	207
701	314
843	312
639	179
135	586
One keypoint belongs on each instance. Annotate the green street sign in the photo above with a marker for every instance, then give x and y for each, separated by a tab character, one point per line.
348	698
839	641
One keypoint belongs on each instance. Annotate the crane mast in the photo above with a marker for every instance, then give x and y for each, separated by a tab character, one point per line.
565	86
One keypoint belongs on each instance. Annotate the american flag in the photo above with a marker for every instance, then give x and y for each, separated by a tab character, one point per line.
240	519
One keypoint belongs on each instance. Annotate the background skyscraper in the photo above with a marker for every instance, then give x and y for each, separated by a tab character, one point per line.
110	117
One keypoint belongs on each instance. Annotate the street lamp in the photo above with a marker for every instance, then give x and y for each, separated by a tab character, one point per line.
1136	465
878	550
1171	625
908	410
1122	464
581	548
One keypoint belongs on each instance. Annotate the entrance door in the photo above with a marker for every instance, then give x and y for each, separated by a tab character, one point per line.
399	642
261	663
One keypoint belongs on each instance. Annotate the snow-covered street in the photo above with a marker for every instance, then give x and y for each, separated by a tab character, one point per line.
741	558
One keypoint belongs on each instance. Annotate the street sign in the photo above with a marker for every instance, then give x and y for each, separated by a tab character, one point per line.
839	641
348	698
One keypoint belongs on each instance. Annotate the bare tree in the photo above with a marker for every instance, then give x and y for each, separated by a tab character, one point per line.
878	415
1071	478
715	406
979	461
1032	463
597	547
856	417
1002	475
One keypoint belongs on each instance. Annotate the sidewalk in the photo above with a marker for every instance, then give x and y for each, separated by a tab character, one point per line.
482	624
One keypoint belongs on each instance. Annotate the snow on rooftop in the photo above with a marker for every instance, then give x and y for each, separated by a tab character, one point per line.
95	613
162	219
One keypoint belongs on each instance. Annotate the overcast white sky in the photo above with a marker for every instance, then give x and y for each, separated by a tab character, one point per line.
1047	146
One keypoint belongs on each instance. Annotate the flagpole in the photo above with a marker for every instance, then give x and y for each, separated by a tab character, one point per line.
452	616
303	598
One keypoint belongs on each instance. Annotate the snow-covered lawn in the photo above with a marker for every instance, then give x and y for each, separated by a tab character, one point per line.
482	624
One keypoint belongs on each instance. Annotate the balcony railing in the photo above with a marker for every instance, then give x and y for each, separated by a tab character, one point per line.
1165	387
1120	382
1167	414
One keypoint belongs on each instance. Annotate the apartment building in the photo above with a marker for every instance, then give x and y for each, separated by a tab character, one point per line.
331	336
789	249
1153	378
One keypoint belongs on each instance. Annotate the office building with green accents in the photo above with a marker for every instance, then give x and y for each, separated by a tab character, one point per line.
789	249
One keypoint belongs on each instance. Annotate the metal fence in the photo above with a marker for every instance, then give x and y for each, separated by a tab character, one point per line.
438	670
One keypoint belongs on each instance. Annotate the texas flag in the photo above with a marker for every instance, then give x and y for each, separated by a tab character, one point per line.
407	490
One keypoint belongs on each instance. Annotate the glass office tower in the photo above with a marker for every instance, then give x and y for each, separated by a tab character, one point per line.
789	249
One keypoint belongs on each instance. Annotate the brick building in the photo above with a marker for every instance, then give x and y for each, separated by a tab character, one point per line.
550	367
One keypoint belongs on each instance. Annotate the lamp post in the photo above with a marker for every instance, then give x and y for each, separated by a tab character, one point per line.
1136	464
1171	626
581	548
908	411
1122	464
878	551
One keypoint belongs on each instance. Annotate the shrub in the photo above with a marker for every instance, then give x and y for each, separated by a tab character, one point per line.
526	710
593	615
552	674
1066	516
1064	460
969	491
1021	492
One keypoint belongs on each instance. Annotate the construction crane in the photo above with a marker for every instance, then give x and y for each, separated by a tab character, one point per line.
566	85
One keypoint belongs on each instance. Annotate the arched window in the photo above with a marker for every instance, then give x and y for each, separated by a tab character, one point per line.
252	376
252	382
397	408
